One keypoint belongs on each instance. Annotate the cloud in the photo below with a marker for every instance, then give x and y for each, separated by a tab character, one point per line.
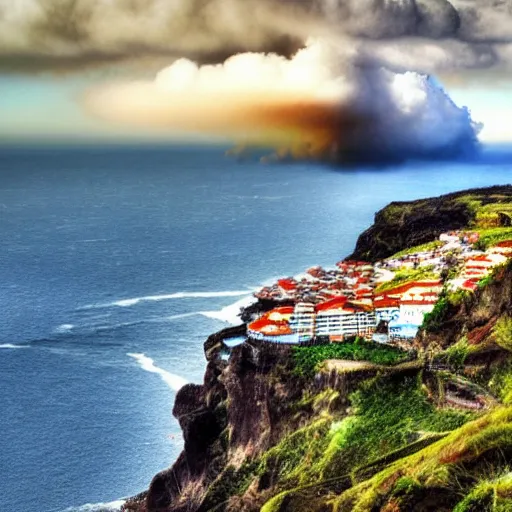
55	34
319	104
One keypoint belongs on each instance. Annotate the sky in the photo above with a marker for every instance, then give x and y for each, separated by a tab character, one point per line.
68	69
48	108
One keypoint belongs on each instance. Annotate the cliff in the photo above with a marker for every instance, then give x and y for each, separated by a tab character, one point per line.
401	225
295	429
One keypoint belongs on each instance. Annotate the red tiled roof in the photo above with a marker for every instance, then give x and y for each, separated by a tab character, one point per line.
469	284
287	284
426	302
470	264
384	301
337	302
481	257
283	310
272	327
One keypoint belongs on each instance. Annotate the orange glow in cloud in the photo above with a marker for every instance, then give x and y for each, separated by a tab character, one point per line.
252	98
313	105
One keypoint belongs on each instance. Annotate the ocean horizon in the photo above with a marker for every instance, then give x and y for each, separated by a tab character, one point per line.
117	264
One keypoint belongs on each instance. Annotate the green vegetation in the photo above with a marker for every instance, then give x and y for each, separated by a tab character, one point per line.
394	213
492	236
503	332
391	418
389	414
429	246
407	275
432	321
447	301
440	467
308	358
493	495
500	383
456	354
290	461
488	211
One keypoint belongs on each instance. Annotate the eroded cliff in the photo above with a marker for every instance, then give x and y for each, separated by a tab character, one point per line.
401	225
274	428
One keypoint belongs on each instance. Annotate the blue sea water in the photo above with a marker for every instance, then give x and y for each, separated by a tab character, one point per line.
116	263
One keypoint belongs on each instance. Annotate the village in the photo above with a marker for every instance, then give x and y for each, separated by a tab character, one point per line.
385	302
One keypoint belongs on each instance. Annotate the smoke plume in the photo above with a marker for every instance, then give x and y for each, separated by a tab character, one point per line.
318	104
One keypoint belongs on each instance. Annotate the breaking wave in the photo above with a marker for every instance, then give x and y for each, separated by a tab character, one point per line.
11	346
170	296
113	506
231	313
175	382
64	328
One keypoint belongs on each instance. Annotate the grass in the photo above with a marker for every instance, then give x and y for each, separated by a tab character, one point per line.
492	236
290	461
438	466
503	333
489	494
404	276
309	358
500	383
487	214
395	213
389	415
429	246
455	355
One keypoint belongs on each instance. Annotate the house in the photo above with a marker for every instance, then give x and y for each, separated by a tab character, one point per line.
273	326
405	306
287	286
386	308
341	319
302	322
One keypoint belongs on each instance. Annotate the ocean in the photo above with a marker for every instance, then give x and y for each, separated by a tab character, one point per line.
117	263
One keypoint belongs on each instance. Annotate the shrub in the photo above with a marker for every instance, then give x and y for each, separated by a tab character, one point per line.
308	358
389	414
433	320
503	333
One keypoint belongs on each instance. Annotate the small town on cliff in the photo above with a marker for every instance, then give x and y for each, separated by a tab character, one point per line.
385	302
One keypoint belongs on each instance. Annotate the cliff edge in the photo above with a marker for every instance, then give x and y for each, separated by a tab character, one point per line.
401	225
281	428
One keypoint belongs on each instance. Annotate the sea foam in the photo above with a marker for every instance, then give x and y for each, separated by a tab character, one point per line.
231	313
61	329
11	346
175	382
170	296
113	506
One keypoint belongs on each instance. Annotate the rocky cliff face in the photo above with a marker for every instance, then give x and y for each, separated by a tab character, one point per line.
470	316
401	225
432	434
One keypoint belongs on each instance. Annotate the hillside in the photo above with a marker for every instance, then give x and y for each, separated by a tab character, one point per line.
359	426
401	225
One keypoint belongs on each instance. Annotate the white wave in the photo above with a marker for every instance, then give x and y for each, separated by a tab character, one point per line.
113	506
169	296
174	317
175	382
10	345
64	328
231	313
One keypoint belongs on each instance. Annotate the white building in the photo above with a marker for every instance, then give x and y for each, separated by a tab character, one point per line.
341	321
302	322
